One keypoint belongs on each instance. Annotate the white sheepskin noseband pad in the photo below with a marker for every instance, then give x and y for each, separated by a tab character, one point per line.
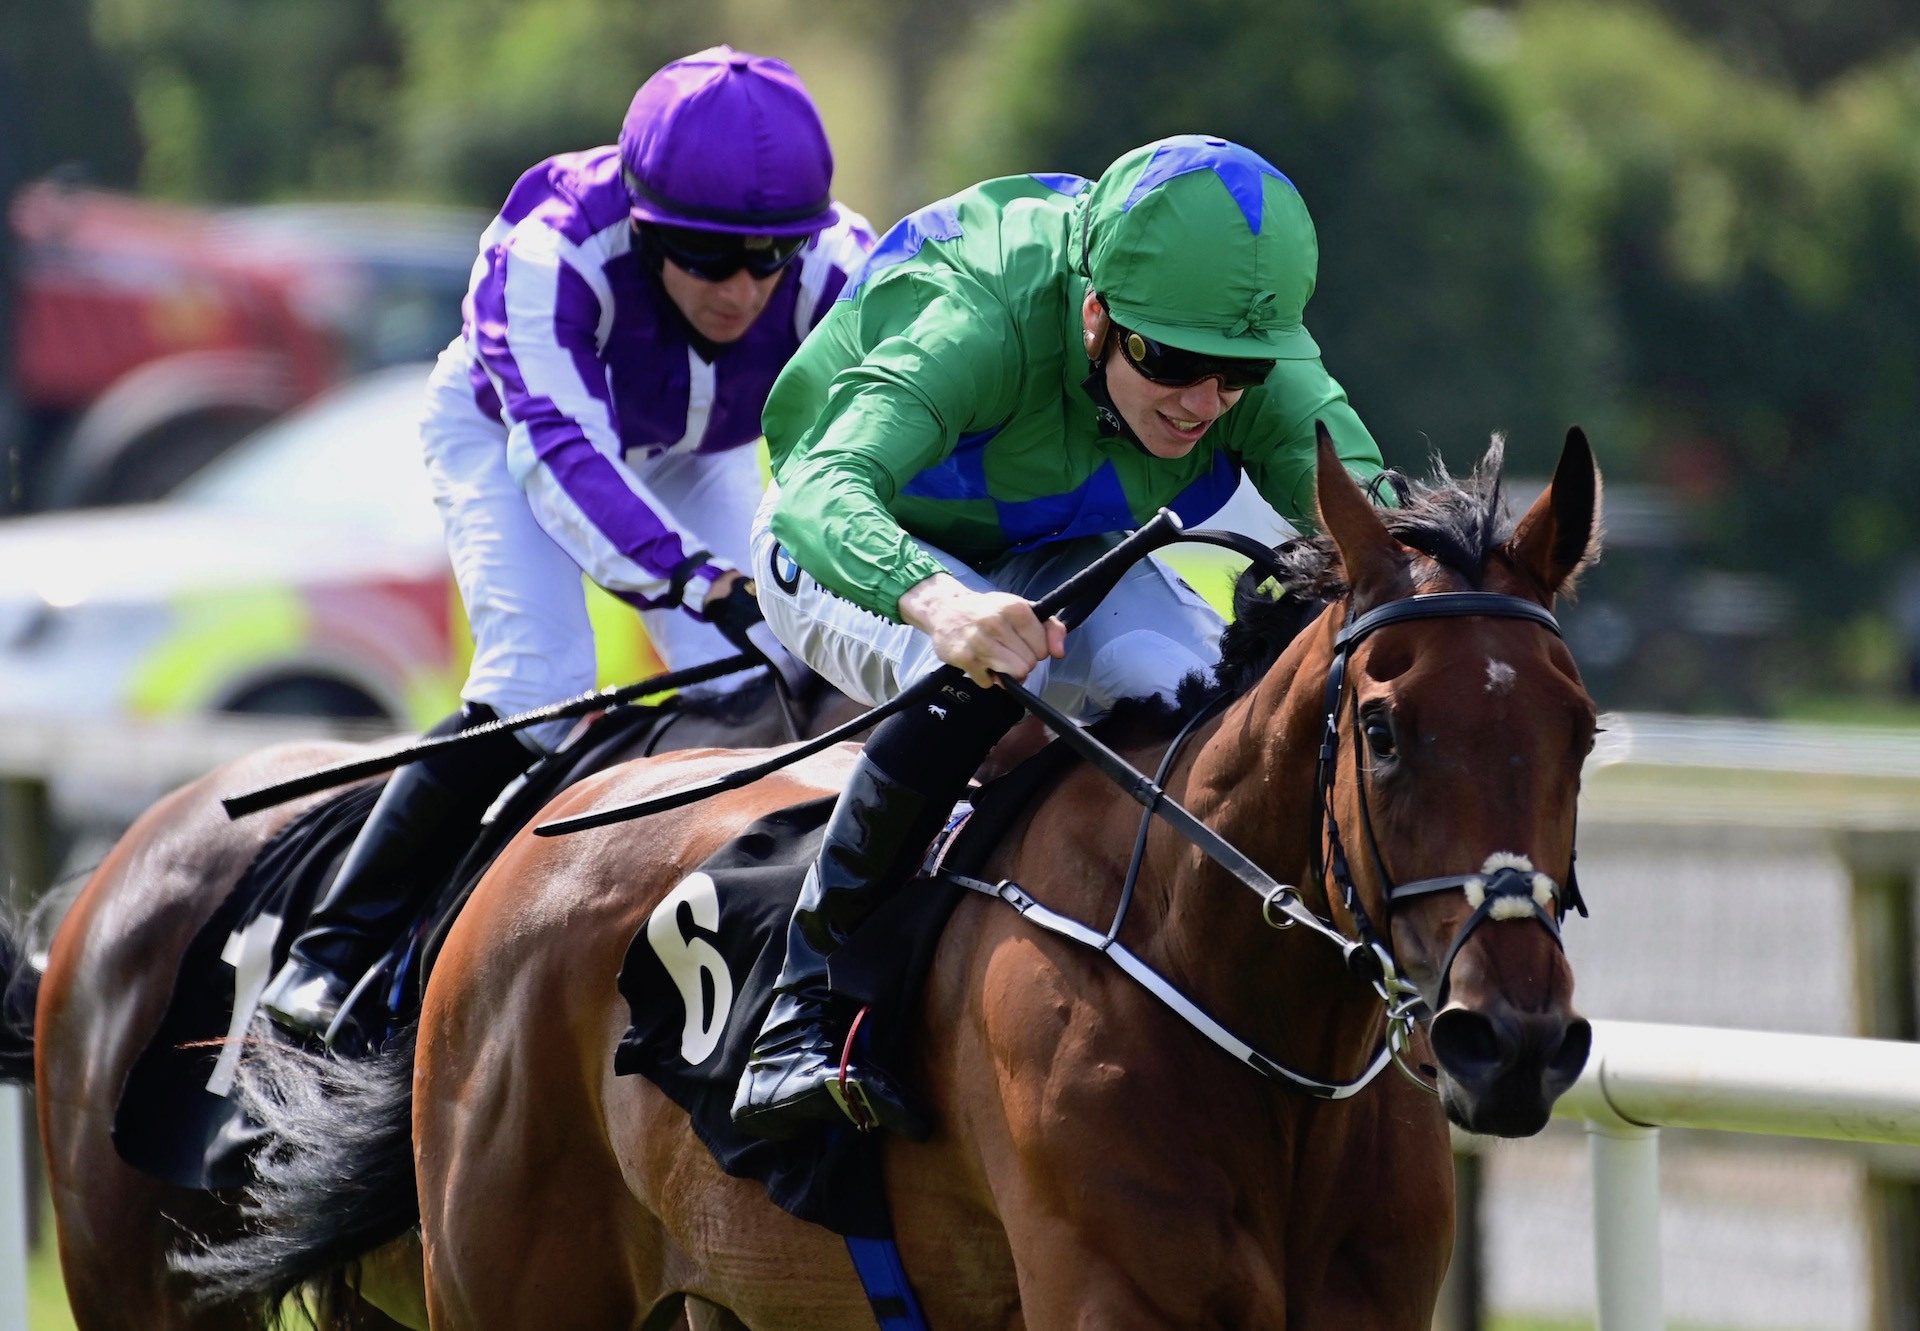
1509	907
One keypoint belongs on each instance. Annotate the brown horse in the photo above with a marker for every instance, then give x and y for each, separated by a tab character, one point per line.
1098	1163
108	978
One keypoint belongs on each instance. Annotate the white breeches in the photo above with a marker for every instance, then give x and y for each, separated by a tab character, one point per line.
532	641
1149	633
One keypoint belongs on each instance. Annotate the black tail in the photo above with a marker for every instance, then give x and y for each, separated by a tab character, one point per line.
23	946
334	1175
19	994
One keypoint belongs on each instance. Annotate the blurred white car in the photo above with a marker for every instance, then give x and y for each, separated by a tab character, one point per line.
304	572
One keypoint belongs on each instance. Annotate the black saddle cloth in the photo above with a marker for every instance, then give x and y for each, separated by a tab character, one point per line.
699	977
175	1118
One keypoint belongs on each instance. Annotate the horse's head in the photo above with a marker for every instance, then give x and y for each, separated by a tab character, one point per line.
1462	724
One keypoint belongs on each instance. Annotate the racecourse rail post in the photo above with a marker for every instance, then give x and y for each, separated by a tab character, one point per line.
24	821
1884	871
1625	1162
13	1208
1463	1295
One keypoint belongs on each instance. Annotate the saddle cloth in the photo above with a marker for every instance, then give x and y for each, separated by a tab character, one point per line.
699	977
175	1118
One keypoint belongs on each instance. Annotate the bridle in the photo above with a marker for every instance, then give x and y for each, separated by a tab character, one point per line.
1504	887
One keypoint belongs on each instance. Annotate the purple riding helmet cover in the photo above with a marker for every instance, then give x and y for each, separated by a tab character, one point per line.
727	141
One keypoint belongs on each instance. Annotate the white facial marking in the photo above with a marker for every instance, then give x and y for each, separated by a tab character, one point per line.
1500	676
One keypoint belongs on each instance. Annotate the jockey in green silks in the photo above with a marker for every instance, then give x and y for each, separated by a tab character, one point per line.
1017	374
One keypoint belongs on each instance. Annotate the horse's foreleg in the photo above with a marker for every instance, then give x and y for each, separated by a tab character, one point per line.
519	1224
115	1234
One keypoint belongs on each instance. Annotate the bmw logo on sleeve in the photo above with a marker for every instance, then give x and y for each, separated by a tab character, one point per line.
786	573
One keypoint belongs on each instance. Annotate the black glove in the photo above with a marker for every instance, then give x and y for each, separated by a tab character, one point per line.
735	613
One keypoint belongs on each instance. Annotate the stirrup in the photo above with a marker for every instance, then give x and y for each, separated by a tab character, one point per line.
304	1001
907	1116
848	1093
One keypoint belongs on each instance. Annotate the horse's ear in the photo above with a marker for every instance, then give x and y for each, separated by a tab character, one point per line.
1560	534
1369	555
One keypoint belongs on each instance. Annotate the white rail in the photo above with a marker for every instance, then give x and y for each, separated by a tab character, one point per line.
1642	1077
13	1210
152	754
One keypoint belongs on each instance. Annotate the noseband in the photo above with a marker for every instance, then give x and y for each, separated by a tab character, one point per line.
1505	887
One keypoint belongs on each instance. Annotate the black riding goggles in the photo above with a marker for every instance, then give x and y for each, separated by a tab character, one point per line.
714	256
1176	368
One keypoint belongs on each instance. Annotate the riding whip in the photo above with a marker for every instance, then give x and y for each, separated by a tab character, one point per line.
1072	601
340	774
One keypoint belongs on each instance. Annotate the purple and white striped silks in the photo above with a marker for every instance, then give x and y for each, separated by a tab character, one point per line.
579	354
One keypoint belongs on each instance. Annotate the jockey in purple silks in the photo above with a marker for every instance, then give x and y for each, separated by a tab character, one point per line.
629	310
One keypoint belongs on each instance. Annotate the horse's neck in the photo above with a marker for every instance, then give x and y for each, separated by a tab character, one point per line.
1252	779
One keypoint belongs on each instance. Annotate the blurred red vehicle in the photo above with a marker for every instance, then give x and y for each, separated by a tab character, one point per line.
148	337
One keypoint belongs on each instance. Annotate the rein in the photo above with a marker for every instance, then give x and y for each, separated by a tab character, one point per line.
1506	887
1274	895
1073	600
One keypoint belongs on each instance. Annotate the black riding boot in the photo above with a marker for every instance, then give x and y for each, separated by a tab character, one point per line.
420	825
900	792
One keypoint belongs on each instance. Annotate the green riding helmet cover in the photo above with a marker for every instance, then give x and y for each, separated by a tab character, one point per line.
1204	245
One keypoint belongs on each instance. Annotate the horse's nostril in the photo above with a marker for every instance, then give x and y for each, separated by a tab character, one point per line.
1570	1059
1466	1043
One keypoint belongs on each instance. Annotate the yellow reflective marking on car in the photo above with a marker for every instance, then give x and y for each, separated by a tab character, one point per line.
623	651
218	638
1209	571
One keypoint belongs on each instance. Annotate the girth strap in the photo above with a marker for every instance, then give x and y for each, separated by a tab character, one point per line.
884	1279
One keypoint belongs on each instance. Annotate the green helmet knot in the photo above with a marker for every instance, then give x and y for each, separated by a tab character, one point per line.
1262	313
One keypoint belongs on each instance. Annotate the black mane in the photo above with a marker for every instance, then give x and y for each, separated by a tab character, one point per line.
1458	524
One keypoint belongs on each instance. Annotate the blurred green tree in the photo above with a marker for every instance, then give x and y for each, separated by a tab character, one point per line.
1431	308
64	103
248	99
492	86
1758	253
244	99
1804	42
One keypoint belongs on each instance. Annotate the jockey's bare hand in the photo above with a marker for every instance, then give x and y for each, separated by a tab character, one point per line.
725	583
981	632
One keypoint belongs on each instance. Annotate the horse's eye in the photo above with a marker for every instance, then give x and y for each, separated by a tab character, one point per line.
1377	726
